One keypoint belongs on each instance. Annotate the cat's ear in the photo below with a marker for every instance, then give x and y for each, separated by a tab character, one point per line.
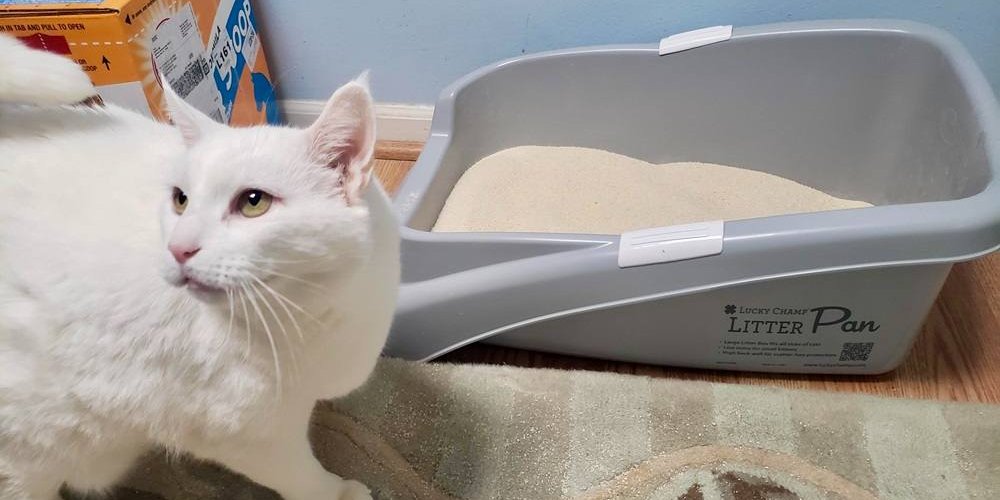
343	137
188	120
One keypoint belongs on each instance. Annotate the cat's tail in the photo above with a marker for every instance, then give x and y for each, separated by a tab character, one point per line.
30	76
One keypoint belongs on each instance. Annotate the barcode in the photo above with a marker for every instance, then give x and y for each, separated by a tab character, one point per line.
196	71
856	351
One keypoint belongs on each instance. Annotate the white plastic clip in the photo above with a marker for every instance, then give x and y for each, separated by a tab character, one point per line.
667	244
696	38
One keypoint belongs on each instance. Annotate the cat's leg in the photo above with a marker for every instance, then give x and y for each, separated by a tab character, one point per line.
284	462
104	468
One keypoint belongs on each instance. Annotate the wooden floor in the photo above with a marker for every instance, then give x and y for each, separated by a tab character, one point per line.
956	357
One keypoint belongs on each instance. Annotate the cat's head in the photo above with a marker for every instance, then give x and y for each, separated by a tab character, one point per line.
258	211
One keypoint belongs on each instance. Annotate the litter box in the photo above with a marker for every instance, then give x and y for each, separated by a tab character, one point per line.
892	113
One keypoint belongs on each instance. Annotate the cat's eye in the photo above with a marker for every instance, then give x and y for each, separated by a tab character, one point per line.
253	203
180	201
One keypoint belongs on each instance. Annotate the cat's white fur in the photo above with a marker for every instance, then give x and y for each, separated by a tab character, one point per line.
108	346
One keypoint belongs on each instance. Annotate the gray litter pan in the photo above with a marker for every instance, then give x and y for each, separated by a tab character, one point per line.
893	113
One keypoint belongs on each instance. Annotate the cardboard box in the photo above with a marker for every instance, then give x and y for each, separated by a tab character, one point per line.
209	50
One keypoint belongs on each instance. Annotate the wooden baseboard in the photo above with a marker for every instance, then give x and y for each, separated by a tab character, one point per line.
395	122
398	150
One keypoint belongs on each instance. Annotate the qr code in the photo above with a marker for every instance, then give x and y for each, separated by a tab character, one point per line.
196	71
856	351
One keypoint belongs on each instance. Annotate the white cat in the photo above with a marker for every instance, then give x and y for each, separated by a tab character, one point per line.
193	286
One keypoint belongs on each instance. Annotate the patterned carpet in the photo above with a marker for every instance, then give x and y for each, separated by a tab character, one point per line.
435	431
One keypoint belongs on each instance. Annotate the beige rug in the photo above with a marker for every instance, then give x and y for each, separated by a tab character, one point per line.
583	190
433	431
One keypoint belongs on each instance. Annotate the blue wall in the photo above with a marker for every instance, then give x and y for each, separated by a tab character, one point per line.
415	48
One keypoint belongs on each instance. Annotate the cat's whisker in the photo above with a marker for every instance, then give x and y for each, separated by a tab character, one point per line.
284	332
246	318
293	278
298	308
285	300
174	309
293	261
173	306
224	339
232	312
315	292
270	339
279	297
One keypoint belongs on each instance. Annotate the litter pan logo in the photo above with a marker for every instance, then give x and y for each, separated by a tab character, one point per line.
232	49
791	320
263	96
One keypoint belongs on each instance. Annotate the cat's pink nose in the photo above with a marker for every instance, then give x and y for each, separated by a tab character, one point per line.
182	253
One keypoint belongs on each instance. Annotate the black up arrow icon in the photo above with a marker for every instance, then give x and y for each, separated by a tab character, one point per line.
106	62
